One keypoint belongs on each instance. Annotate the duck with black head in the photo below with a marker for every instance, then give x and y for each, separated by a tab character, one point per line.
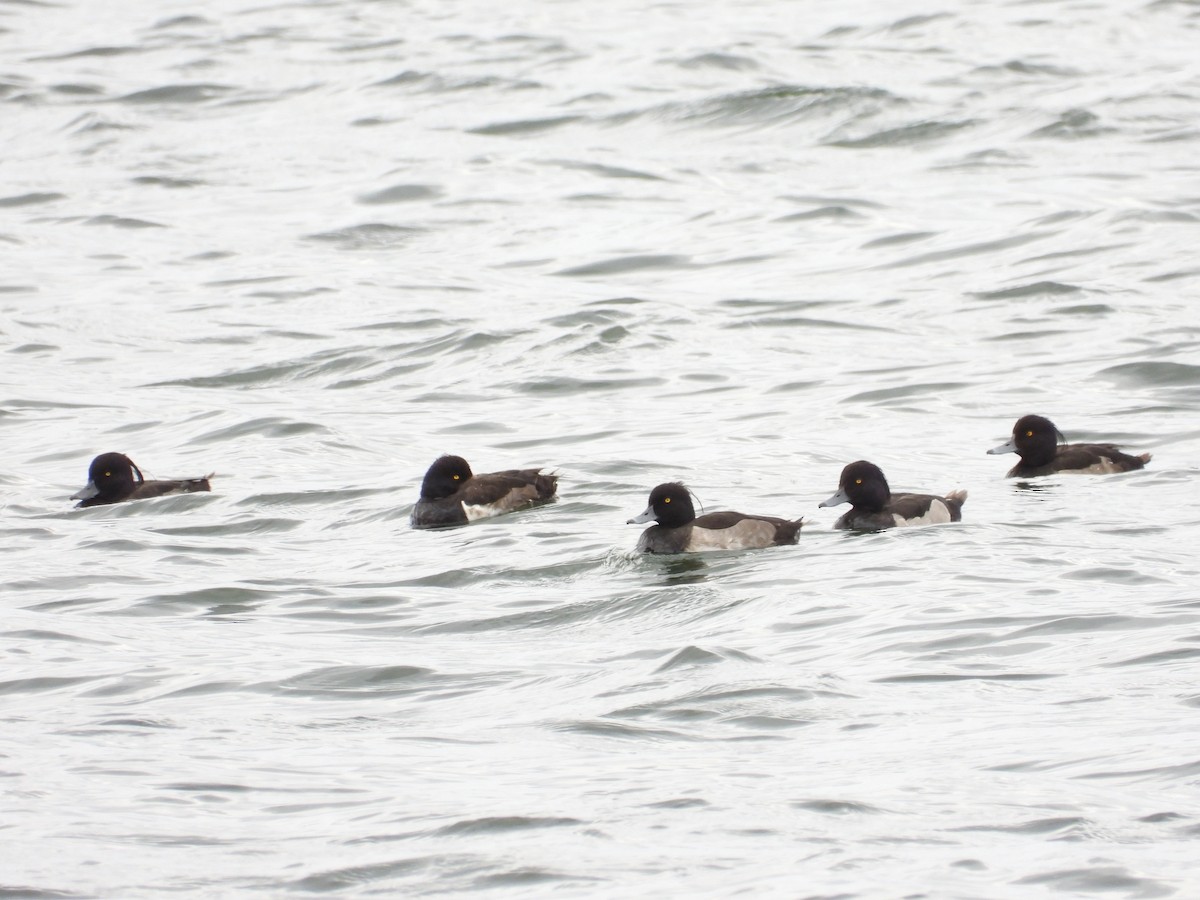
873	506
451	494
679	530
1038	442
111	480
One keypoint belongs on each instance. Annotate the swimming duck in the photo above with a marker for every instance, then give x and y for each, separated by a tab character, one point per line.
874	506
451	494
680	531
1036	440
110	480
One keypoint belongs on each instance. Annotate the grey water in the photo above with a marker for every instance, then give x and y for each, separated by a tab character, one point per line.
310	246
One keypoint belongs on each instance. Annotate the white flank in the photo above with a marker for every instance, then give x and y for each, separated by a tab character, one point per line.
1103	466
483	511
937	514
745	535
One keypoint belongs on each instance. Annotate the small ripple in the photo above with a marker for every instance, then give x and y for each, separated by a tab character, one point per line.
1101	880
1153	374
903	136
103	52
307	498
937	678
369	236
355	681
728	62
432	83
795	386
808	322
604	171
698	656
1035	826
403	79
625	731
569	615
1157	818
904	392
34	348
571	386
78	90
122	222
255	375
177	93
167	182
525	876
1087	624
822	212
1021	67
16	892
268	426
503	824
1171	774
966	250
30	199
764	709
1034	289
1110	575
1155	659
1027	335
837	807
1073	124
622	265
41	685
213	601
1175	275
524	127
66	583
562	441
40	635
1083	309
358	876
770	106
1168	216
401	193
904	237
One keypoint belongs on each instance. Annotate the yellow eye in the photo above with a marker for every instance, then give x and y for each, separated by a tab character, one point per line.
455	477
858	481
1029	434
108	474
666	499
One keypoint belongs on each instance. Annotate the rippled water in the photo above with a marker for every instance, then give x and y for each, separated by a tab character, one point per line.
311	246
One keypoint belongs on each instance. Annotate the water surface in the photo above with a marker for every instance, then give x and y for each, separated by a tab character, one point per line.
311	246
